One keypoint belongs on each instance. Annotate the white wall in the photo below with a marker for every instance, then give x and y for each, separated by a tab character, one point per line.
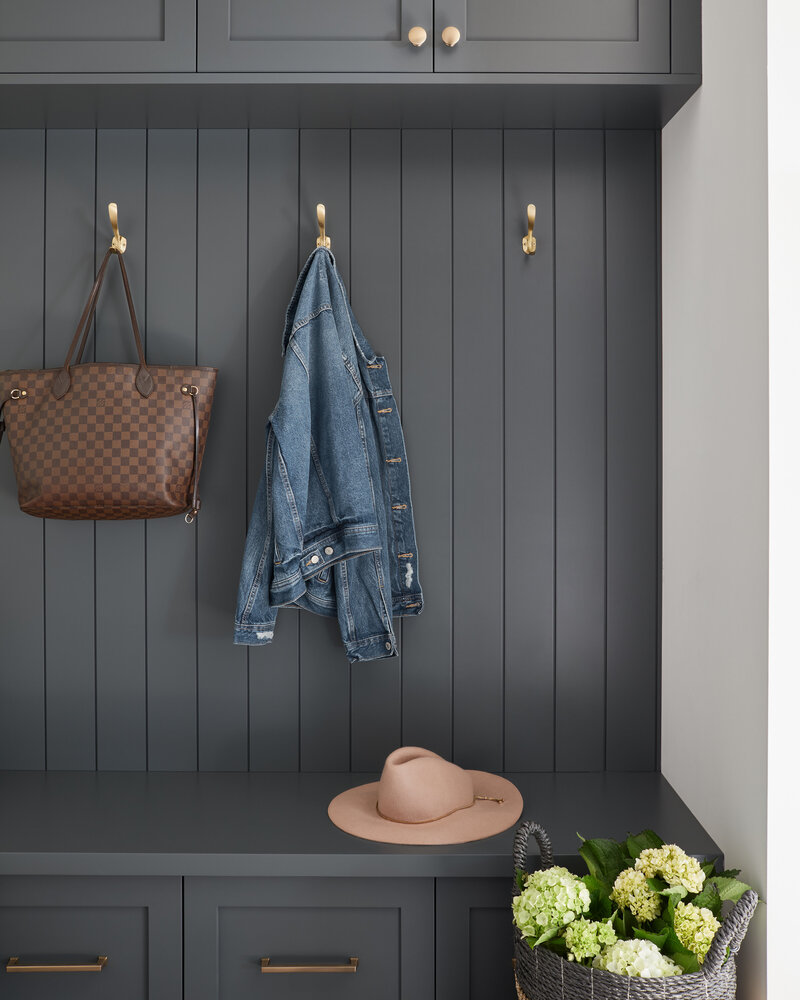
715	475
784	403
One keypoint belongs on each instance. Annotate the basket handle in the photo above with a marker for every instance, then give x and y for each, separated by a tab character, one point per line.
520	852
731	933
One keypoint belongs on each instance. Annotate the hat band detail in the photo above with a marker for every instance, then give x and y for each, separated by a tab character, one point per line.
419	822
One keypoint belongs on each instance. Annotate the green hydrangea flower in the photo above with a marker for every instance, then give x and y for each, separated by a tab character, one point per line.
586	938
636	958
550	900
672	864
695	927
632	892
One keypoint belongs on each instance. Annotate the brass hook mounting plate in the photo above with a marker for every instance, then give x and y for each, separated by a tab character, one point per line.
322	239
118	243
529	241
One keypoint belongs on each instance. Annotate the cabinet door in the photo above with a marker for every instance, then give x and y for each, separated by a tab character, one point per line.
474	939
134	923
284	36
554	36
97	36
300	924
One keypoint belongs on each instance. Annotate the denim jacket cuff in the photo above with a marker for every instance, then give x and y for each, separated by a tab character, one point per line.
253	635
375	647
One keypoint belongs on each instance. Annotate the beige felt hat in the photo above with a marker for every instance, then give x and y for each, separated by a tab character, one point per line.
424	799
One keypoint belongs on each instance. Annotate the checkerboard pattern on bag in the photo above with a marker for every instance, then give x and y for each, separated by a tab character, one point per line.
103	451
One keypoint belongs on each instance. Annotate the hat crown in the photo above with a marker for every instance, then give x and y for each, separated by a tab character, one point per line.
418	786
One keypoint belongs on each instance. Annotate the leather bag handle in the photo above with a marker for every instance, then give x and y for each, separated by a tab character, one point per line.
63	379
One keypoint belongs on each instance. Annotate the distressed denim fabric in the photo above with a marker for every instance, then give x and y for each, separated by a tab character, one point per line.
332	528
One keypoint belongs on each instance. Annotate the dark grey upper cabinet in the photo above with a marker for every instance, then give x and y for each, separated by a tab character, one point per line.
554	36
97	36
285	36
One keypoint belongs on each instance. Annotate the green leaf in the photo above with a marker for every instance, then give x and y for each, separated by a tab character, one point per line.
710	898
546	935
519	878
687	960
642	841
605	859
601	905
659	939
729	888
708	868
676	891
657	884
729	873
558	945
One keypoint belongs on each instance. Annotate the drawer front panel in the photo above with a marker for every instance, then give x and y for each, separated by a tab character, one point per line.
233	924
66	922
554	36
51	36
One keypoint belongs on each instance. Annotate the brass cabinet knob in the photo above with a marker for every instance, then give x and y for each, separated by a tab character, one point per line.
417	36
451	36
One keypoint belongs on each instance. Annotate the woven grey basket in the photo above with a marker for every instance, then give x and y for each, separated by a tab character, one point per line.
544	975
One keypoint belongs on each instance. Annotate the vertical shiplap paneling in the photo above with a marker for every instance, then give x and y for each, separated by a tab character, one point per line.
428	426
375	295
272	272
121	616
222	228
632	269
529	454
22	706
170	543
324	670
478	448
69	545
580	451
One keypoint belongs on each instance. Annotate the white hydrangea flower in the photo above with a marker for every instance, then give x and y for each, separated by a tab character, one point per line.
632	891
673	864
695	927
636	958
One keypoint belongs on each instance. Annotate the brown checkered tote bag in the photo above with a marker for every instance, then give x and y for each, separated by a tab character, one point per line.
103	441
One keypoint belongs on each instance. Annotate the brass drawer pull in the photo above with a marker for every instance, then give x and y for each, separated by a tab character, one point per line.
12	965
351	966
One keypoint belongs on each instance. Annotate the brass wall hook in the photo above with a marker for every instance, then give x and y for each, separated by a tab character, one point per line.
529	241
118	243
322	239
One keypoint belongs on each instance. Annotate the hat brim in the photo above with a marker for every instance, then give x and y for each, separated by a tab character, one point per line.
356	811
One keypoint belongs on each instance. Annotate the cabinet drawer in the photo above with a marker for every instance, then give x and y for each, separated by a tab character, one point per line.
134	922
285	36
232	924
554	36
95	36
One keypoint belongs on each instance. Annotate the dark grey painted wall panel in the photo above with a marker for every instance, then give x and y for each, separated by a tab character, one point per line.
375	292
529	449
324	671
501	373
121	614
272	271
171	555
632	461
69	545
427	423
478	498
222	343
22	716
580	451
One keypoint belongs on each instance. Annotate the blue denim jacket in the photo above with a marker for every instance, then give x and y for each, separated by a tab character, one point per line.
332	529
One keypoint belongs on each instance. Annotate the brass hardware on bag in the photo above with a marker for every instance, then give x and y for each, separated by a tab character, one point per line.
451	36
189	390
18	393
12	965
322	239
529	241
417	36
118	243
351	966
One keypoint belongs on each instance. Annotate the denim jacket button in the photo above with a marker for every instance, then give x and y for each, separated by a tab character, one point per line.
388	645
328	550
315	559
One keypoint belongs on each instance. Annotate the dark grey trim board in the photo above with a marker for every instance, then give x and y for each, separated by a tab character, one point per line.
340	100
128	823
